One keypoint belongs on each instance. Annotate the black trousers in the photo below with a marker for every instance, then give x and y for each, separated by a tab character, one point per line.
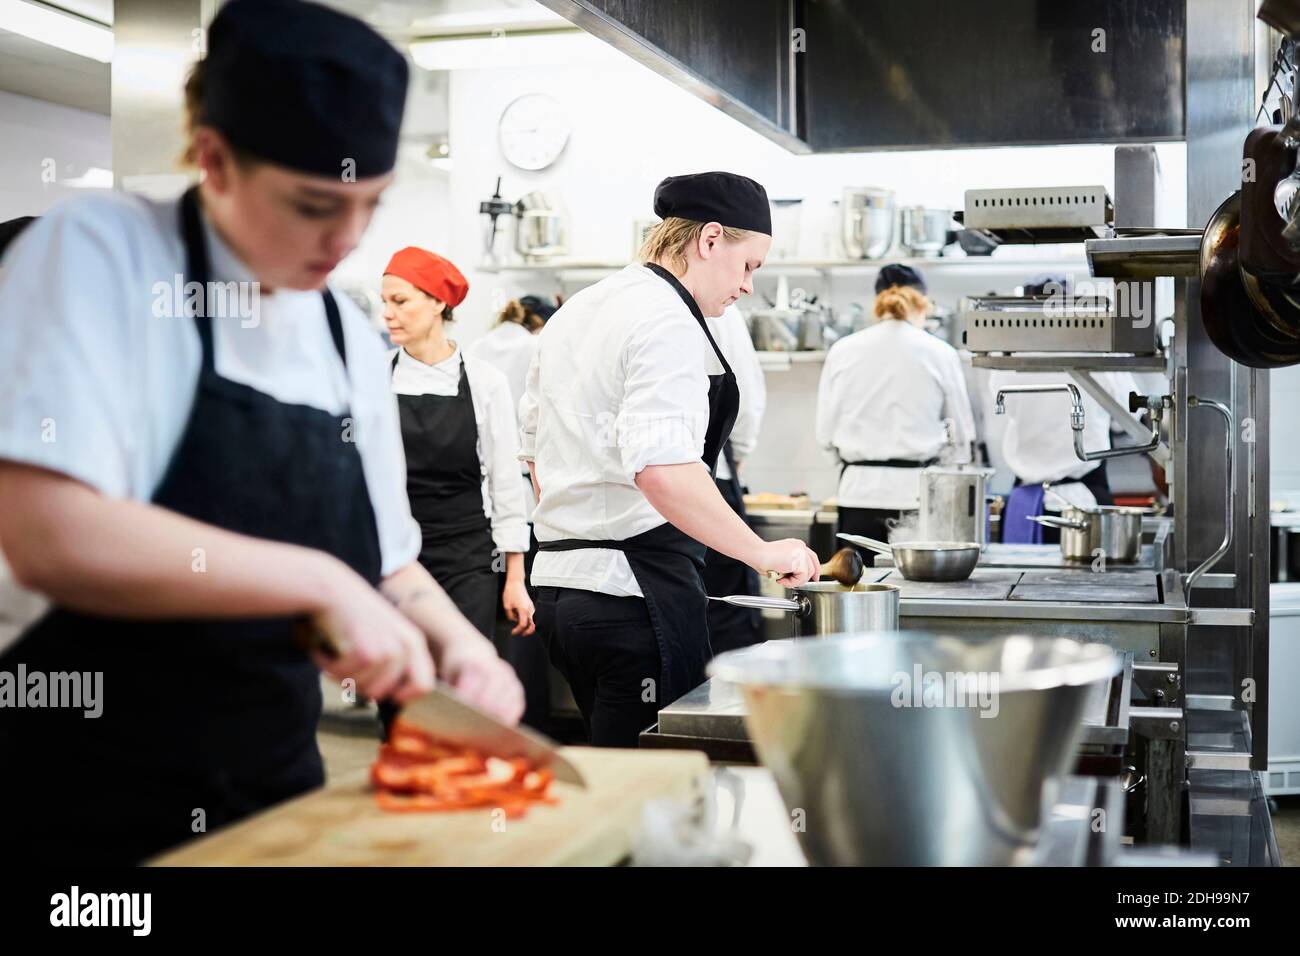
527	655
606	649
868	522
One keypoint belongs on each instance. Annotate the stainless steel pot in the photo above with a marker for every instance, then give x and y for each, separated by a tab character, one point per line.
824	607
1115	532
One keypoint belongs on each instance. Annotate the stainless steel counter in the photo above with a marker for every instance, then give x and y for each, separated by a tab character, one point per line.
751	808
716	711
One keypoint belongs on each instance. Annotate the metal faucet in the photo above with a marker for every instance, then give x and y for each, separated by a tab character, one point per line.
1155	404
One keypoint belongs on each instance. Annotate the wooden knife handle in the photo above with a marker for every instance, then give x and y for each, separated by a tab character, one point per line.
315	632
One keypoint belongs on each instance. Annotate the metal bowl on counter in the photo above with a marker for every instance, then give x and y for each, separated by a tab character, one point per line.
819	608
917	749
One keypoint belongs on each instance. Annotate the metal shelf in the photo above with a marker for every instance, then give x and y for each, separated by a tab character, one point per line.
1069	362
1146	257
826	267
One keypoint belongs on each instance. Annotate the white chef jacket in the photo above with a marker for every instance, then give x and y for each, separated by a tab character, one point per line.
732	335
620	382
98	371
1038	443
498	435
886	392
509	347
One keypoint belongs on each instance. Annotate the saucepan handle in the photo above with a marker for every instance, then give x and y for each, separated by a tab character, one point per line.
1053	522
862	541
764	603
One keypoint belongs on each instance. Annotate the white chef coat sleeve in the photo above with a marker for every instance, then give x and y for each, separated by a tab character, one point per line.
827	412
753	388
957	407
499	441
528	405
67	316
378	433
665	409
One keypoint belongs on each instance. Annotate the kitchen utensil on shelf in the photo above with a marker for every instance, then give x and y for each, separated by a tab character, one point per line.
493	232
819	608
786	215
866	222
925	560
884	773
447	717
541	226
923	231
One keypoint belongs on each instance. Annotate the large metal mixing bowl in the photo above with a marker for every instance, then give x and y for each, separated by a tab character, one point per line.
916	749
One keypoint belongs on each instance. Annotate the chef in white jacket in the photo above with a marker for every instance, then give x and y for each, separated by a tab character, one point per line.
1038	443
892	400
512	341
462	445
734	627
199	448
628	406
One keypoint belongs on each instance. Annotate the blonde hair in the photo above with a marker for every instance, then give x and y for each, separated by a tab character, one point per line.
518	313
669	240
901	302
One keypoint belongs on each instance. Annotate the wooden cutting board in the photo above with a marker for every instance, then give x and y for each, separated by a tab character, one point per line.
340	825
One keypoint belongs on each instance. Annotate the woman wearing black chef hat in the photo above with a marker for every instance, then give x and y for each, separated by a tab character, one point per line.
627	406
892	400
198	446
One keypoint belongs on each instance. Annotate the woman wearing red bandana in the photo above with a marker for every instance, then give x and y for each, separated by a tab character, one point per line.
461	440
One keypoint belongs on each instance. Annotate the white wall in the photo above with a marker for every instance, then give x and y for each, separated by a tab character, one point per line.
38	137
630	128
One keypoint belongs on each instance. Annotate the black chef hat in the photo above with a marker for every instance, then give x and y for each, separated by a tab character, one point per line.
896	273
10	230
305	87
542	308
725	198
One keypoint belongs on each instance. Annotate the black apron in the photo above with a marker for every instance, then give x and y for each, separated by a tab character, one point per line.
665	561
444	480
204	721
730	627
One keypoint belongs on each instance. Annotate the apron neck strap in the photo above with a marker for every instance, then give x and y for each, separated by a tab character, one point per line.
694	306
198	268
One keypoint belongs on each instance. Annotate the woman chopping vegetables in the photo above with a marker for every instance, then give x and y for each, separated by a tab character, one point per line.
184	486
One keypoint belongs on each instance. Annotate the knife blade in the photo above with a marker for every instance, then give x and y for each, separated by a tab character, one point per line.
447	717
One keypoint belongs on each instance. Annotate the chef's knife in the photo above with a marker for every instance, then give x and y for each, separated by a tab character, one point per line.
445	716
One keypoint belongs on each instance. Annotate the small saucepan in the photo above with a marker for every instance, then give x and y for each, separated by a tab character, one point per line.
925	560
819	608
